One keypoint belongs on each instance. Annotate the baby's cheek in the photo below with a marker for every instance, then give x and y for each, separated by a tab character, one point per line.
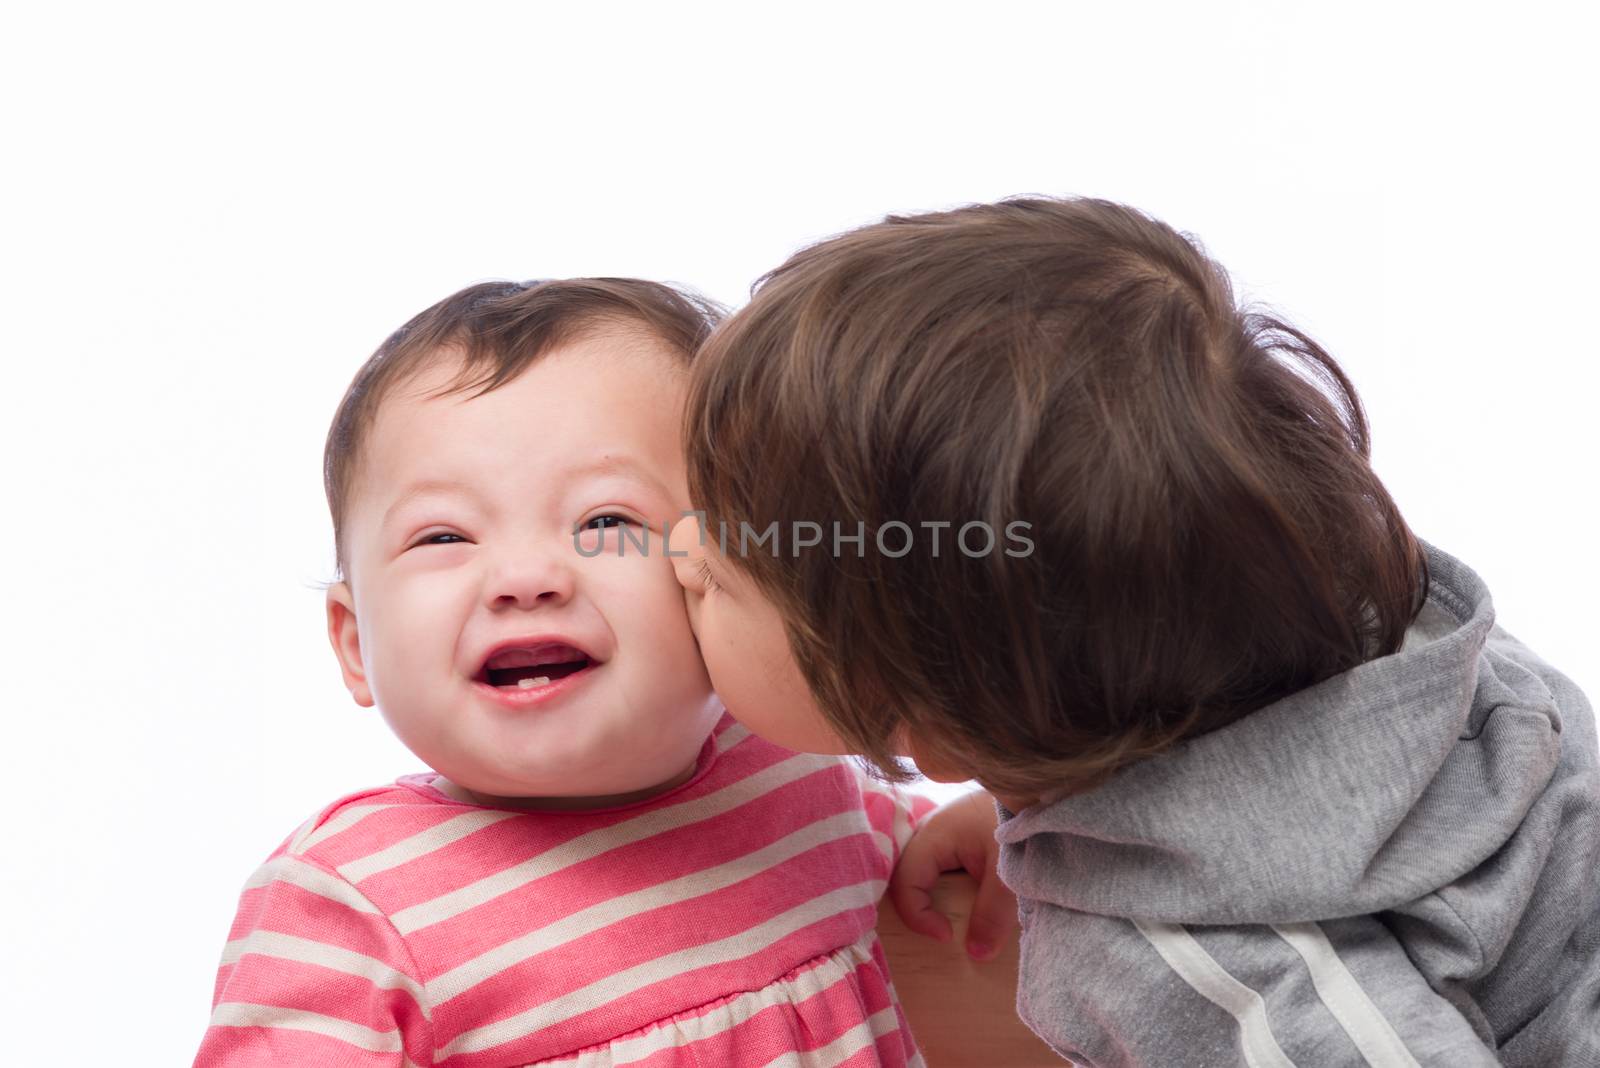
657	605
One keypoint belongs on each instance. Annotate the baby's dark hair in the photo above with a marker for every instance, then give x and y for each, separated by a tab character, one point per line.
1208	533
496	330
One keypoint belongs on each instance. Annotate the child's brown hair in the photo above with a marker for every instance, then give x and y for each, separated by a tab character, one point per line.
1208	535
497	330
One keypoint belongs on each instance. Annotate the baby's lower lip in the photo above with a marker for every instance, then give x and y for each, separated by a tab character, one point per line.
527	697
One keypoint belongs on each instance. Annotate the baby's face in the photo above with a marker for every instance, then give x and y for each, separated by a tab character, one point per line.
512	663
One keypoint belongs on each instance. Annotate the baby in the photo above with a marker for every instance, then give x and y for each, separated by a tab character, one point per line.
1048	510
601	868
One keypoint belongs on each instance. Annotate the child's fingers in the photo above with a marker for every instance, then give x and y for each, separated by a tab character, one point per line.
911	890
994	918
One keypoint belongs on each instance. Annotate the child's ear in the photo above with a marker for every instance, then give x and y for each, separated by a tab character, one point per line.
928	759
346	641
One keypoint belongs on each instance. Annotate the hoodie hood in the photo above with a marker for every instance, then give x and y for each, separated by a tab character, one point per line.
1372	788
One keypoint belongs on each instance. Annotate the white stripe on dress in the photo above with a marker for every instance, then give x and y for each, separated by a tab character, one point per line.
841	1049
290	947
462	978
348	817
727	1016
605	839
284	868
609	988
731	736
422	843
243	1014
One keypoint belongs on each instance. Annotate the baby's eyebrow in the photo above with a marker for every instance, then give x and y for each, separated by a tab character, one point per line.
623	465
614	465
436	487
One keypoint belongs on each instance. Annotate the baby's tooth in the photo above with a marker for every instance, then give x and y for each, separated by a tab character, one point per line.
528	684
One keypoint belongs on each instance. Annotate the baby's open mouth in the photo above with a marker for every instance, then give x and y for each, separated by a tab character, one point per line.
524	668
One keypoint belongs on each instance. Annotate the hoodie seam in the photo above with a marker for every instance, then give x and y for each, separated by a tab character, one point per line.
1477	943
1457	606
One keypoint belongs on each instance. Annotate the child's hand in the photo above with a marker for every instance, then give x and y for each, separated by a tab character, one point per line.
957	834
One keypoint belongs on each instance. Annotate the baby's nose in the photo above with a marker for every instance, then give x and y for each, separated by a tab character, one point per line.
530	580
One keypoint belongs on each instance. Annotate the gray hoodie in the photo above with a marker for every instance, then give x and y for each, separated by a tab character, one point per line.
1397	866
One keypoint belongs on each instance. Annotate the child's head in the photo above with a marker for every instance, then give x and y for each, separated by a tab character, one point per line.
1204	532
477	463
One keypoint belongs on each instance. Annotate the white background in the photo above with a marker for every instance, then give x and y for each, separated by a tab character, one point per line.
211	215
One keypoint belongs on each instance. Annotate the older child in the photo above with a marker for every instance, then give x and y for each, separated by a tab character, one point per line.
1278	789
601	868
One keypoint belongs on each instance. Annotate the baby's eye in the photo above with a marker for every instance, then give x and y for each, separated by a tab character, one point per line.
441	538
703	566
601	522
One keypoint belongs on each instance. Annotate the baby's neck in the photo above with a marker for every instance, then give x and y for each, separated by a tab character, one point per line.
568	804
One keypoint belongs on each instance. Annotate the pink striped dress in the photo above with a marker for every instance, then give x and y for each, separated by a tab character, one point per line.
728	922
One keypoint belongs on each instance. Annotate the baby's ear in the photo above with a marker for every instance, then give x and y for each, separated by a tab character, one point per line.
346	642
